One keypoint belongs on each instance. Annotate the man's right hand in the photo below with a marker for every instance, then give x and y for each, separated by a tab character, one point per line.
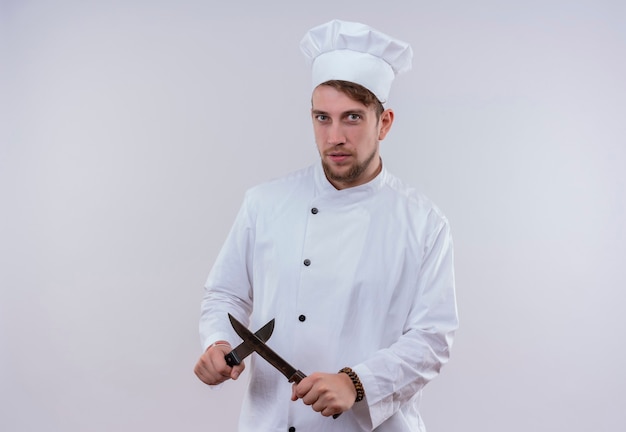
212	368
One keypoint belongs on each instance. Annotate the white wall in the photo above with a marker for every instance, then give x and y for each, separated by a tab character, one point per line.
131	129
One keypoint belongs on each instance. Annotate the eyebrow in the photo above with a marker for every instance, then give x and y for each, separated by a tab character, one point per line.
343	114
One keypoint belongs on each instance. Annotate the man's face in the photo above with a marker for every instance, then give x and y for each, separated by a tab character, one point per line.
347	134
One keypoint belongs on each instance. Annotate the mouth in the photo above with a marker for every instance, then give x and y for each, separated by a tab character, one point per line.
338	157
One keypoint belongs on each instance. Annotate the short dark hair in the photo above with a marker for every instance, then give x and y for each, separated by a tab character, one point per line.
357	93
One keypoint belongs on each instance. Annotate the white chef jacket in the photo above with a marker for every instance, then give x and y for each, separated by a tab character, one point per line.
360	277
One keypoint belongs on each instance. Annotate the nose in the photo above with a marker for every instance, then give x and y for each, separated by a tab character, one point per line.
336	134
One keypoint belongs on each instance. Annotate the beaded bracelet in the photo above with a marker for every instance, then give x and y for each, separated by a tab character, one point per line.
360	392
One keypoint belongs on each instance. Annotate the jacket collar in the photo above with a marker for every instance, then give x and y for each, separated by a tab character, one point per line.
325	190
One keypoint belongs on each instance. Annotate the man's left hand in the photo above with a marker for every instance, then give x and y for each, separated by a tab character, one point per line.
328	394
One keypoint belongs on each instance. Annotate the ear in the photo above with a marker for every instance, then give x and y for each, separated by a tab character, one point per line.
385	122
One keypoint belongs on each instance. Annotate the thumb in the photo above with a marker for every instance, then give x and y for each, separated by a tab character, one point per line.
237	370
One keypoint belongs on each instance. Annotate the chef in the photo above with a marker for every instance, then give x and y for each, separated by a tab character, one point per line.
354	266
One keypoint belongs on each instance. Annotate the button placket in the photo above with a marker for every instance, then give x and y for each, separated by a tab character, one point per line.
307	262
314	222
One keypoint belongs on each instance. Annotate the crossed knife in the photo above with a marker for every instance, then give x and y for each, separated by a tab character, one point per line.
256	342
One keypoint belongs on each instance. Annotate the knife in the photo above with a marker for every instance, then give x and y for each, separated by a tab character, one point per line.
293	375
258	345
244	349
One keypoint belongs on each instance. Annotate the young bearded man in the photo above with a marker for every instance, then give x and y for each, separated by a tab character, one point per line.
355	267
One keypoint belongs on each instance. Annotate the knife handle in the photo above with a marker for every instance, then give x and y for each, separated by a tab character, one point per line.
299	376
232	359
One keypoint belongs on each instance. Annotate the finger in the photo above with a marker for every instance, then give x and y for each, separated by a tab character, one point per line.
212	368
199	372
311	398
237	370
218	363
204	373
303	388
322	402
331	412
294	397
326	407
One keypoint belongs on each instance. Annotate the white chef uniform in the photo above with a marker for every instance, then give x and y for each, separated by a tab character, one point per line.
360	277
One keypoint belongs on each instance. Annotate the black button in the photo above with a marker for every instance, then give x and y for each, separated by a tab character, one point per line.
292	429
301	318
307	262
314	210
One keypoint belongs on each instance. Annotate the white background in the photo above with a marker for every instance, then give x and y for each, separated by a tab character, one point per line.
130	131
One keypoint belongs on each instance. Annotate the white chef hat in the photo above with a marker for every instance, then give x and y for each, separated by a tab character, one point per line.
349	51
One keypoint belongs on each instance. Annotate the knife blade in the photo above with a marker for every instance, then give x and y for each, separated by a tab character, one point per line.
292	374
244	349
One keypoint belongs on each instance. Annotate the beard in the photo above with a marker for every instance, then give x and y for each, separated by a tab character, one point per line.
353	174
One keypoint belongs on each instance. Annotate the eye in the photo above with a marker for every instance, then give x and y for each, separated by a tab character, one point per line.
354	117
321	118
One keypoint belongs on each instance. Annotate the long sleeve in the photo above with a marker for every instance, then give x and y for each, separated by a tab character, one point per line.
229	286
393	376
